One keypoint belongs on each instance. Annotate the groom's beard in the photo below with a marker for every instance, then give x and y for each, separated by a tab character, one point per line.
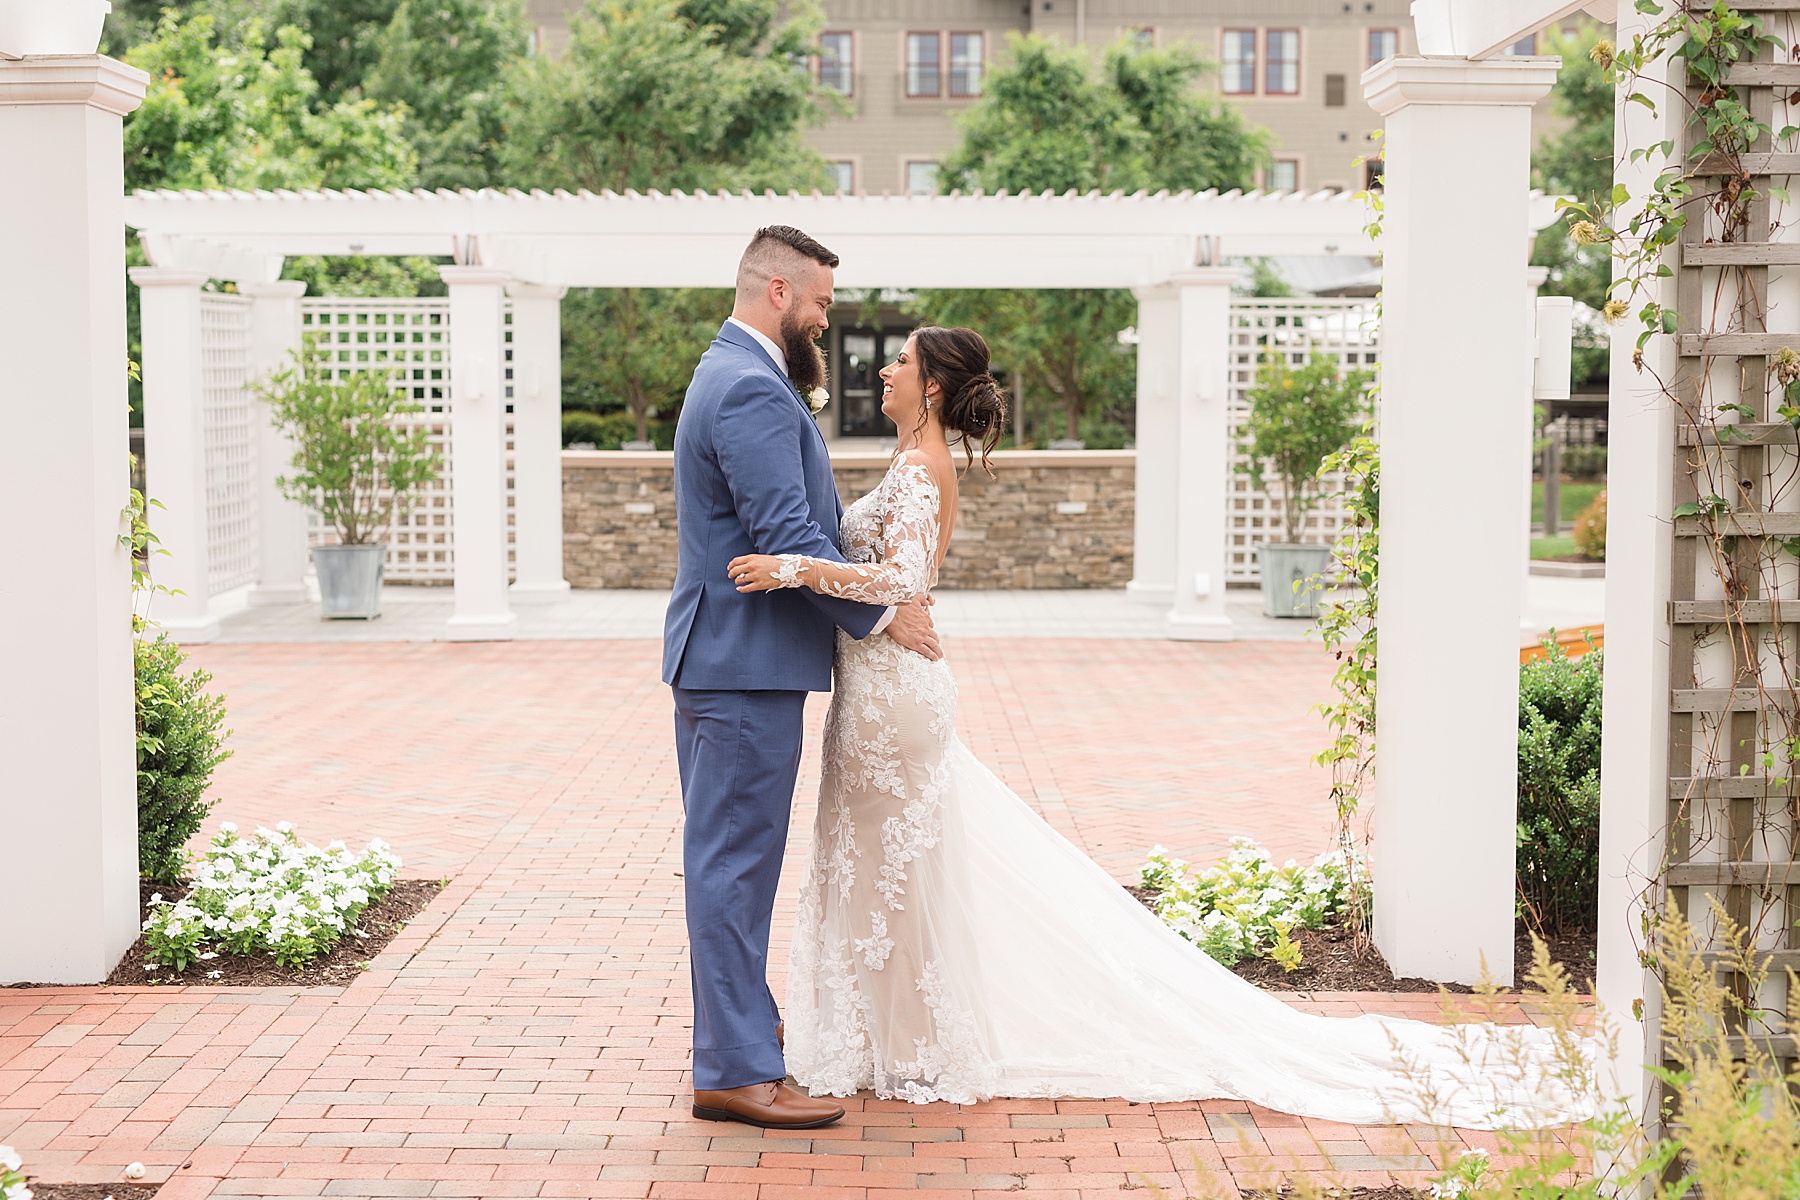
805	361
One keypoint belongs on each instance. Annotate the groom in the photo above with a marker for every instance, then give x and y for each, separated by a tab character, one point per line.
752	476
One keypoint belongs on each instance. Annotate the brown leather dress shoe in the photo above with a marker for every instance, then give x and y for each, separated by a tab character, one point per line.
767	1106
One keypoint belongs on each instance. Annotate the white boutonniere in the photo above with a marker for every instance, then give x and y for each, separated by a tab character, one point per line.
817	399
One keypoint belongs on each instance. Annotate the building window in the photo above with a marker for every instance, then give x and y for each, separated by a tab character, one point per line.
1383	45
1238	56
1283	74
1373	170
965	64
1525	46
924	74
1334	91
1283	175
841	176
837	63
1140	37
921	178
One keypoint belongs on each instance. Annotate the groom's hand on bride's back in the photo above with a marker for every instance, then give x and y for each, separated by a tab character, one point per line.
912	628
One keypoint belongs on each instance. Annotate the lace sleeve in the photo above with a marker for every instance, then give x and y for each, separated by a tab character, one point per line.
909	541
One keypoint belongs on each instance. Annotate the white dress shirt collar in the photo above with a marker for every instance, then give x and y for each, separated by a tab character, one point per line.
763	340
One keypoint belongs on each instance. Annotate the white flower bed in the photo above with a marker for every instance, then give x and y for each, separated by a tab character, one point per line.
12	1181
269	893
1245	905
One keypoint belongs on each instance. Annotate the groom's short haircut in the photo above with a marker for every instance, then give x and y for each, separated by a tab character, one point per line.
777	250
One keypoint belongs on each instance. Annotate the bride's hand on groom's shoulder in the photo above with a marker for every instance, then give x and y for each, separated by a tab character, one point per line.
912	628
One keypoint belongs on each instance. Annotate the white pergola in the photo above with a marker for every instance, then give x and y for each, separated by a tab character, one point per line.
1457	335
1167	248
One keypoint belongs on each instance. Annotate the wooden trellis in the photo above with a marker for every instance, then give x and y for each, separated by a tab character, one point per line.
1734	597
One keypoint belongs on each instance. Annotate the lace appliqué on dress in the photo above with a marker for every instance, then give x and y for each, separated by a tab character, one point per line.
870	1007
905	557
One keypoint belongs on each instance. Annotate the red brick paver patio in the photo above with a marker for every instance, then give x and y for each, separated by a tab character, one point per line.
528	1035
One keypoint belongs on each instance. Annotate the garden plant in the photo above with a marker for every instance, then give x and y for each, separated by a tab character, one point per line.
1559	790
180	726
1300	416
1245	906
355	459
12	1181
180	741
1590	530
270	893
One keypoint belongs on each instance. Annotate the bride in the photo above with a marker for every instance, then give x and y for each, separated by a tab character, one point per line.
952	946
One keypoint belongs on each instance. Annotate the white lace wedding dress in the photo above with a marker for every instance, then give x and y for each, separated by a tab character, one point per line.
952	946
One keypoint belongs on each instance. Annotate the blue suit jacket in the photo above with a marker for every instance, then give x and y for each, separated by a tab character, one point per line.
752	476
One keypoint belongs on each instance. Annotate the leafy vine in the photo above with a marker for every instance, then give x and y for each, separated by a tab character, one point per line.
1346	626
1736	394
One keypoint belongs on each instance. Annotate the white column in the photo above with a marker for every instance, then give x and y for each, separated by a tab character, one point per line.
1634	755
1454	333
1534	279
281	523
478	454
1203	481
175	447
1158	365
537	444
68	805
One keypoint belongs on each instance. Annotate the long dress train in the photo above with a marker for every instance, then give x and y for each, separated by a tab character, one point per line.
952	946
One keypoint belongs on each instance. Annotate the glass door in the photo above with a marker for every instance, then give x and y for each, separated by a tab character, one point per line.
862	352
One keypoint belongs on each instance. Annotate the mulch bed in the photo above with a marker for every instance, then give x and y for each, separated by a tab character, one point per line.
1329	963
92	1191
346	959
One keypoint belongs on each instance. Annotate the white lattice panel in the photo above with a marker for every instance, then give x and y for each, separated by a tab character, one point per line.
230	441
410	340
1297	328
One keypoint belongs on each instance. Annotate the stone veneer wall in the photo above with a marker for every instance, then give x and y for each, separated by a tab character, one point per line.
1058	519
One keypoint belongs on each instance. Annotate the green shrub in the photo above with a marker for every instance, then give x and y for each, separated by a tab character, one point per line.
179	743
1584	462
1102	434
1559	790
1590	530
605	430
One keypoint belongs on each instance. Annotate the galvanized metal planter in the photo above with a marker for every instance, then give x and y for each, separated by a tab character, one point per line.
350	581
1284	564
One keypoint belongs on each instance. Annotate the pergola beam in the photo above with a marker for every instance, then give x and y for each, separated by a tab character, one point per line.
693	240
1480	29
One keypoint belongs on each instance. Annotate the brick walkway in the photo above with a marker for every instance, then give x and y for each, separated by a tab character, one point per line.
528	1035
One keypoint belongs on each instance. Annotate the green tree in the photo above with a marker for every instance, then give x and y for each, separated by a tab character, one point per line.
1577	162
1299	417
1050	119
244	116
665	94
345	36
446	60
240	110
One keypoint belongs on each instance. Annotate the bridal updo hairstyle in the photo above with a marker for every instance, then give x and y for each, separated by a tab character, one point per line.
971	401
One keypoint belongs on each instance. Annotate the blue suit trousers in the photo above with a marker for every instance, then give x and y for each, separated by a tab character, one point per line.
739	754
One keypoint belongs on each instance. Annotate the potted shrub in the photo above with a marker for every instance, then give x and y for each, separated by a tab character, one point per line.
1298	416
356	464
